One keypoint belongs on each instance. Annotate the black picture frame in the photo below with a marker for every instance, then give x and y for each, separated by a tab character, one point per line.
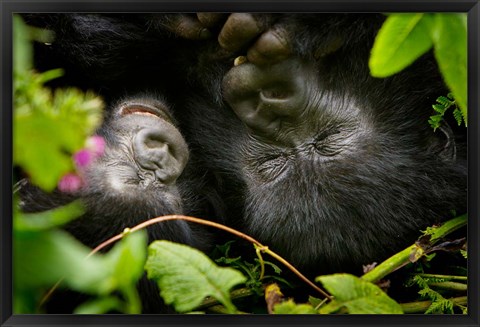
9	7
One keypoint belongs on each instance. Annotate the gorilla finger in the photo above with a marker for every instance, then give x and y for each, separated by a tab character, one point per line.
188	27
273	46
239	30
210	20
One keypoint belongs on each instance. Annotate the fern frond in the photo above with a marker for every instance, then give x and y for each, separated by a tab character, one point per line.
444	101
442	105
440	108
457	113
442	306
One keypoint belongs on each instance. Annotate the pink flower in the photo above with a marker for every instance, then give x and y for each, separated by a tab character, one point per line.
70	183
94	148
96	144
83	158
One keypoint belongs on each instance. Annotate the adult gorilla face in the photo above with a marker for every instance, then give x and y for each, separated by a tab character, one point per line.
340	169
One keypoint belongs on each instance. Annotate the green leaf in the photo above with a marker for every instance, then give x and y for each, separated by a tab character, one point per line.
127	259
186	276
356	295
439	108
400	41
22	48
449	37
48	131
444	101
48	219
41	259
290	307
38	146
99	306
458	116
314	301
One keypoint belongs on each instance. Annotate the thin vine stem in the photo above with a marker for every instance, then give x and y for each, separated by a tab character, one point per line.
235	232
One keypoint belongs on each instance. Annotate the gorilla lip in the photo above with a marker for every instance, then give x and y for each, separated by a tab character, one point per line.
142	109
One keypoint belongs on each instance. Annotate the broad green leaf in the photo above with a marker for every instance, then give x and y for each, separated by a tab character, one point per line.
449	35
25	301
41	259
38	149
44	258
356	295
127	259
186	276
290	307
400	41
48	219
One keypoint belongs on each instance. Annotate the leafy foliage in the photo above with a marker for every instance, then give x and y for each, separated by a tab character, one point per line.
49	219
49	127
439	303
401	40
290	307
444	103
186	276
252	270
356	295
405	37
53	256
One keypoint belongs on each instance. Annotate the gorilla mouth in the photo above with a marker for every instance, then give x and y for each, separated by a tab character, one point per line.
143	109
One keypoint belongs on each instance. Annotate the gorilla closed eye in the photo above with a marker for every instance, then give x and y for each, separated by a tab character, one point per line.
327	143
272	167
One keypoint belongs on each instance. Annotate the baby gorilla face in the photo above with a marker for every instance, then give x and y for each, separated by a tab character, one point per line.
144	156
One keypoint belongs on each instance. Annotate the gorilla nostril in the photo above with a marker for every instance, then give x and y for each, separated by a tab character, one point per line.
275	94
153	142
151	149
161	151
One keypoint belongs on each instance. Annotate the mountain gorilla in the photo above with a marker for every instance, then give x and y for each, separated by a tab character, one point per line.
292	142
136	178
328	166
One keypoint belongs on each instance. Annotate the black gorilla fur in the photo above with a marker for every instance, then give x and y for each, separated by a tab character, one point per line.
302	149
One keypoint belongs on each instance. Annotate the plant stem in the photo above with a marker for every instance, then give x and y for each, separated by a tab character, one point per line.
448	227
413	252
236	294
422	306
221	309
396	261
451	286
449	277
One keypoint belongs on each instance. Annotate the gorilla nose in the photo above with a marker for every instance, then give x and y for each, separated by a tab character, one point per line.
161	151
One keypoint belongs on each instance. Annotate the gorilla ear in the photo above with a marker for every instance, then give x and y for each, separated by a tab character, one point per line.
445	146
